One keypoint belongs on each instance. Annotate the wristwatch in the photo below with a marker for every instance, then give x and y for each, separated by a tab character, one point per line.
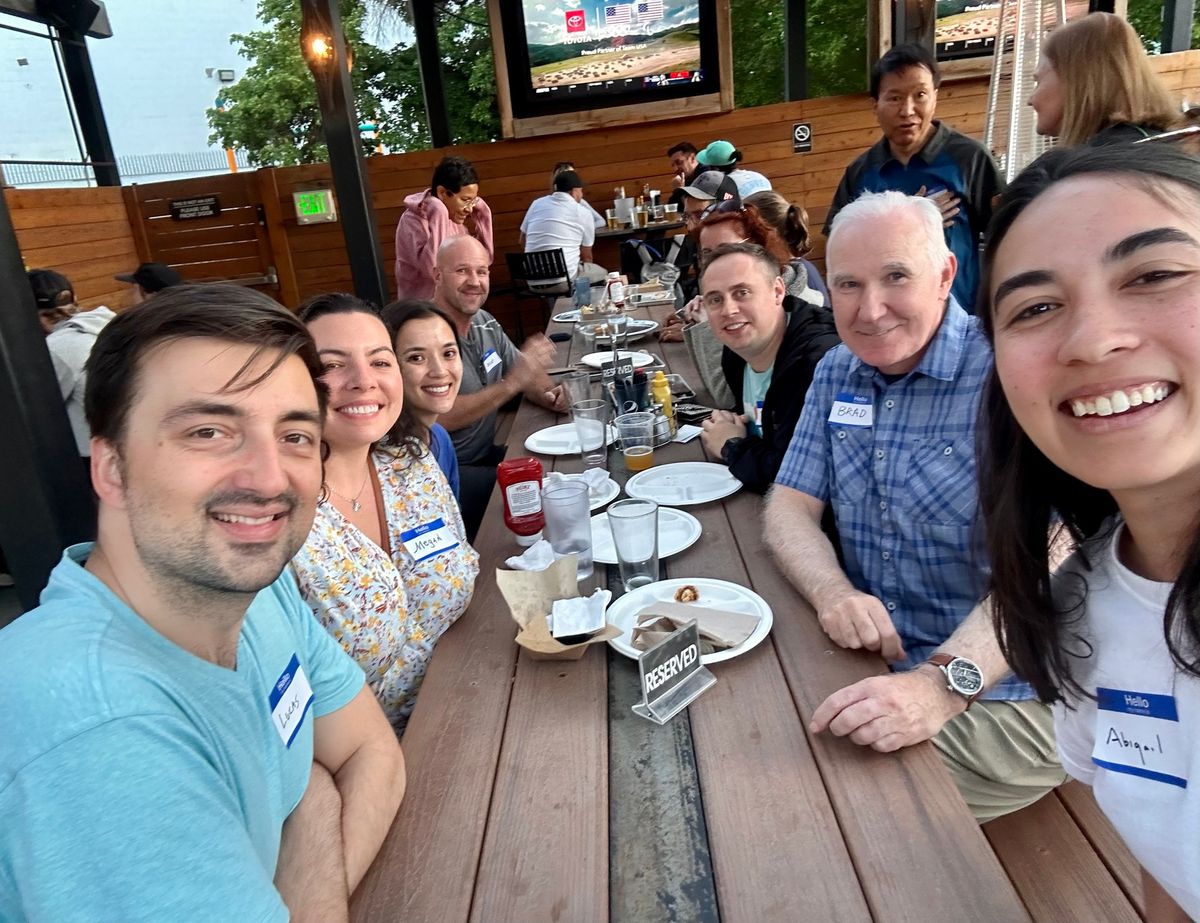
963	676
730	448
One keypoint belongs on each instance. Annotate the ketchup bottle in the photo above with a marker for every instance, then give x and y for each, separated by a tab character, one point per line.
520	481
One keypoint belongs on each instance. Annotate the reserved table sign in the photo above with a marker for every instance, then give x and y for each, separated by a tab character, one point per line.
672	675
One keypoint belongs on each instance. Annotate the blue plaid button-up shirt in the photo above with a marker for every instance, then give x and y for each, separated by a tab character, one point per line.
903	488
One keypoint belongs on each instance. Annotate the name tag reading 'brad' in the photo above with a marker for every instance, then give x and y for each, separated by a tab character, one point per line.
852	410
428	540
290	699
1138	733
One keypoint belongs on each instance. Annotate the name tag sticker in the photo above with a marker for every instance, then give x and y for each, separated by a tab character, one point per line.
1138	733
290	699
758	406
428	540
491	362
852	410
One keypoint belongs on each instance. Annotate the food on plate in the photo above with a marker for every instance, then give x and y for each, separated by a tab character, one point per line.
687	594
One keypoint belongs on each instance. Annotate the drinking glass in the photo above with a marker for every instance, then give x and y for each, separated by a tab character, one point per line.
634	525
569	523
636	431
591	424
578	386
614	220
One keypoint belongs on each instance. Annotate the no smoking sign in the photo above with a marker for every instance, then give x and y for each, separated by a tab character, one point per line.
801	138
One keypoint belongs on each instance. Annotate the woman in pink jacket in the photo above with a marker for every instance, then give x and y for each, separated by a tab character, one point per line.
449	207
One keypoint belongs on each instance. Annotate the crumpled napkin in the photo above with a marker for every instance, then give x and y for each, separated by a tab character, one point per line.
537	556
719	630
595	478
582	615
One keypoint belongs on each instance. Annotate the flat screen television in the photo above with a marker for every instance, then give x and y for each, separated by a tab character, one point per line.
588	55
968	28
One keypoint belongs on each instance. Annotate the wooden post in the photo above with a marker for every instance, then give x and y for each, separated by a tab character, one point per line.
281	251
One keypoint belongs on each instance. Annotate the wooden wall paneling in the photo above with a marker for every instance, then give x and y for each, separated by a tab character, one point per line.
133	217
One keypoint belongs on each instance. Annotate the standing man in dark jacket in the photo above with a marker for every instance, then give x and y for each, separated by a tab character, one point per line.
773	343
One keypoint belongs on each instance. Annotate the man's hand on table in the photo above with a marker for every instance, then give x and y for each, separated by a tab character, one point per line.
556	399
890	712
719	428
858	620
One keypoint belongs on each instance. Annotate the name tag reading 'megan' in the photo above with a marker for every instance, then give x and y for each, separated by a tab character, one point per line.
428	540
852	410
1138	733
290	699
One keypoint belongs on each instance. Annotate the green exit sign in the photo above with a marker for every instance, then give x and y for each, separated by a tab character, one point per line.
315	206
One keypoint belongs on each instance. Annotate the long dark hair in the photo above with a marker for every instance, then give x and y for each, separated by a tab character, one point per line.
1023	494
408	429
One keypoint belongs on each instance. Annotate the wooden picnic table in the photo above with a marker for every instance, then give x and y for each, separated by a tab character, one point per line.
535	794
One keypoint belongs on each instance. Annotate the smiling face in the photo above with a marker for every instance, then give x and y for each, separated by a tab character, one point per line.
1096	303
462	279
743	300
432	368
459	204
366	392
888	301
1047	98
905	107
217	486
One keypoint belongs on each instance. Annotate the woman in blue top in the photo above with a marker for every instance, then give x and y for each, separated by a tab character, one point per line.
430	361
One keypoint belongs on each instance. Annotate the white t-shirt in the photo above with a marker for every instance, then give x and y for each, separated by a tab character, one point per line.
557	220
1136	763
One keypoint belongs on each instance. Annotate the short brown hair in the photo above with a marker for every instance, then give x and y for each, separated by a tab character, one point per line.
218	311
754	251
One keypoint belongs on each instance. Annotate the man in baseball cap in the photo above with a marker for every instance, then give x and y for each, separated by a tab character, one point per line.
706	191
723	156
149	278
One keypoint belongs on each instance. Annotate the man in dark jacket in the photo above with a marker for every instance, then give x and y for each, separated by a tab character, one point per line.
773	343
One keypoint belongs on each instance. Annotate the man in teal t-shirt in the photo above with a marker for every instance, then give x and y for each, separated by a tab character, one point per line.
172	702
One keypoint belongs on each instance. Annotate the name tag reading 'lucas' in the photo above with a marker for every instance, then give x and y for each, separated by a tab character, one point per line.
852	410
1138	733
290	699
428	540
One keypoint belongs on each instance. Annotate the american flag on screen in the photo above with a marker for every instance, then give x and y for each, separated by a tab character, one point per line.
649	9
617	13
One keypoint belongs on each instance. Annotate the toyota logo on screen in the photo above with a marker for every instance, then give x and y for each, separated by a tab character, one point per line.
576	22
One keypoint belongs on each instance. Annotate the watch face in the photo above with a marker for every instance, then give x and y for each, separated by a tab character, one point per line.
964	676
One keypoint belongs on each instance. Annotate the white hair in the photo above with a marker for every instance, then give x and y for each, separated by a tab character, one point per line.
875	206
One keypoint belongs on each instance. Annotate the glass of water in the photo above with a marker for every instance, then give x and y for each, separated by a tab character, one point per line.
568	515
591	425
634	525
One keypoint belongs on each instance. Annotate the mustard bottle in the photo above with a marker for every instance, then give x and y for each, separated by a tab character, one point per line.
660	388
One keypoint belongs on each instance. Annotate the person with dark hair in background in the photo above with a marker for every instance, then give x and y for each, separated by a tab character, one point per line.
387	567
562	221
563	166
790	222
430	358
1095	85
683	168
71	332
1091	428
148	279
181	739
450	207
919	155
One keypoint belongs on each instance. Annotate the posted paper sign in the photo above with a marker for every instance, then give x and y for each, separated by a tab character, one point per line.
1138	733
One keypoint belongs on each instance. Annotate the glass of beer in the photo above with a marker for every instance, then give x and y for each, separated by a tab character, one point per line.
614	222
636	431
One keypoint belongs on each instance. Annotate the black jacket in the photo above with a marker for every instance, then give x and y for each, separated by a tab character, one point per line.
810	334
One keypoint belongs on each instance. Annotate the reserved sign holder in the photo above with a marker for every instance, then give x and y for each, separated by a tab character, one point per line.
672	675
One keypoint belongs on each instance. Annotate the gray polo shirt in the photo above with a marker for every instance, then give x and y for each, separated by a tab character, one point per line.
487	356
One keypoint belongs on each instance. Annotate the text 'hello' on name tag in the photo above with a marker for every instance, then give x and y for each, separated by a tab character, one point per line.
852	410
290	699
491	361
1138	733
428	540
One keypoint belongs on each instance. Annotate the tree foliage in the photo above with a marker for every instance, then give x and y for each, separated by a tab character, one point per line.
1146	18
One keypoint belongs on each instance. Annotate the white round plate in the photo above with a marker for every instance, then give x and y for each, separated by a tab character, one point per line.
683	483
596	360
566	317
677	530
559	440
635	330
609	491
714	594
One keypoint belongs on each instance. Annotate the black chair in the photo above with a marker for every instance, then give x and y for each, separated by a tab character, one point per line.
541	274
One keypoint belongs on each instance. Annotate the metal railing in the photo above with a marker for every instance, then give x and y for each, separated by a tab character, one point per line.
130	166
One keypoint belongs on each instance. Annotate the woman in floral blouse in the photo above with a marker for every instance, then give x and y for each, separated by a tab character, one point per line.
387	567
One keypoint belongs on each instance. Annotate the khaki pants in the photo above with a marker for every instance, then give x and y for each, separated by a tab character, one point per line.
1001	755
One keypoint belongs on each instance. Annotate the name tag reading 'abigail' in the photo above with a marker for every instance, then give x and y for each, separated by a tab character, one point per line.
852	410
1138	733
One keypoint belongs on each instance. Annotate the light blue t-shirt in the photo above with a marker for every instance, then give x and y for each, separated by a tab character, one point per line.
138	781
754	393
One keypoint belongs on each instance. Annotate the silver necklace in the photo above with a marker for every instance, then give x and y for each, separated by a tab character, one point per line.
354	504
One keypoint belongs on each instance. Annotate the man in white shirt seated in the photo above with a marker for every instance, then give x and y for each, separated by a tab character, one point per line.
561	220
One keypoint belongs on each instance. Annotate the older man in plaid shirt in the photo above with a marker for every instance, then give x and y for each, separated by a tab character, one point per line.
887	436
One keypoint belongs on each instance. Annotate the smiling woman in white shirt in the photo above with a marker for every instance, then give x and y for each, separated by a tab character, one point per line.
1092	289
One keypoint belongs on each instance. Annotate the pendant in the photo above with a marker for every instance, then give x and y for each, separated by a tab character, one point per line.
356	506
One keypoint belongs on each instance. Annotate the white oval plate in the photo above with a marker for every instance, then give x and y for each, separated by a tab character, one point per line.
559	440
609	492
714	594
596	360
635	330
683	483
677	530
566	317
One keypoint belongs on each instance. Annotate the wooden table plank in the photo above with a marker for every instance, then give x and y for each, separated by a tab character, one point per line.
1059	876
1079	802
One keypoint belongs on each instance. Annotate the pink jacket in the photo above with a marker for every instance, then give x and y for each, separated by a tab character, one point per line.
421	230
